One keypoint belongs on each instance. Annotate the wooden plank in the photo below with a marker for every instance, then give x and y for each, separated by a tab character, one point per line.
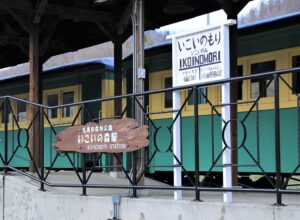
34	95
109	136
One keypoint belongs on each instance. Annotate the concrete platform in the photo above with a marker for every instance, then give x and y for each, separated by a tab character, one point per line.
21	199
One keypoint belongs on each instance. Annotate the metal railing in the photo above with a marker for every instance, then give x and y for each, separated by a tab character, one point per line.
15	144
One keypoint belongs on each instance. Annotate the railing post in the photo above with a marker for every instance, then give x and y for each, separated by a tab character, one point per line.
83	174
277	141
41	146
5	113
83	161
134	154
196	138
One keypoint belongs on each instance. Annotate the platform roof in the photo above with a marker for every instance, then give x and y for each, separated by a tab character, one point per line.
70	25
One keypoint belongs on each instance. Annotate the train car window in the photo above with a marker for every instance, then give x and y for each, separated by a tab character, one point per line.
3	116
258	85
296	76
21	111
168	95
52	100
68	98
201	97
240	83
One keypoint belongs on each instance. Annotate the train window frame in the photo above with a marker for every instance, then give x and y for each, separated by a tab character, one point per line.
264	102
261	83
69	118
60	120
13	103
156	101
165	75
243	63
24	96
165	94
47	94
107	90
2	124
240	97
296	76
203	108
292	97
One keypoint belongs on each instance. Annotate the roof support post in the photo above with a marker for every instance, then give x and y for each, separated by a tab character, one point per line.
118	90
35	95
140	76
118	76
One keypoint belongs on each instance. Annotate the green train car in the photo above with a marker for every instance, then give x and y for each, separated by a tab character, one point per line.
262	47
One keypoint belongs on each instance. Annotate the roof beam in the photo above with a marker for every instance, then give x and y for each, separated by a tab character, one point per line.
78	14
12	39
125	18
21	19
64	12
39	11
20	42
106	31
20	4
46	37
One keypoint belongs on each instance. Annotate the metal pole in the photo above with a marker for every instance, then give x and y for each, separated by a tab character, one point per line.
83	160
5	135
138	71
196	138
277	141
134	155
41	146
83	174
134	180
141	78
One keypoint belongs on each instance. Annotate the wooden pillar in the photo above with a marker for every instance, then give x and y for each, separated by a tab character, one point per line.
118	88
118	76
234	97
35	95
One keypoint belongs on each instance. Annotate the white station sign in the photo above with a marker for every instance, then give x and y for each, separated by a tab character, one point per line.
200	56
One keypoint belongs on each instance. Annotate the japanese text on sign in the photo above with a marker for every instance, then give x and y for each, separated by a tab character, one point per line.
198	57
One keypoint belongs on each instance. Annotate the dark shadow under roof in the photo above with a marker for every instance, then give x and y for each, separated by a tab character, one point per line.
70	25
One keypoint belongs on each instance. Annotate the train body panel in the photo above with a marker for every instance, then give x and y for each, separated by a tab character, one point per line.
259	132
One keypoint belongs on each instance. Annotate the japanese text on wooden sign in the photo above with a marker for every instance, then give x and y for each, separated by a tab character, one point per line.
111	136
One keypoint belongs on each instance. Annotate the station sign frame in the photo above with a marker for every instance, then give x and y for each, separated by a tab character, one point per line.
202	56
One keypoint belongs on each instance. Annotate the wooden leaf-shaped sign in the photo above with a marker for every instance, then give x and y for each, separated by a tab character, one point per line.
113	136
